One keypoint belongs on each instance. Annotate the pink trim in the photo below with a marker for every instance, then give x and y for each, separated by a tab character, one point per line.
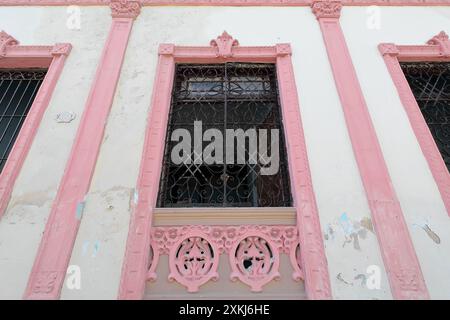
437	49
54	253
396	247
13	55
223	49
246	3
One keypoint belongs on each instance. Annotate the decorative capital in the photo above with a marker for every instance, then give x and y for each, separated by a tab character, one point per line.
61	49
224	44
388	49
327	9
166	49
6	40
283	49
441	39
125	8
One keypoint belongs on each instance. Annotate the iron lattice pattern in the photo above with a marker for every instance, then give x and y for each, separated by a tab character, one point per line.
17	91
225	96
430	83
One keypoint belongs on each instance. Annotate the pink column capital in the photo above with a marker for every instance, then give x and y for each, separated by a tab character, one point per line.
125	8
397	250
327	9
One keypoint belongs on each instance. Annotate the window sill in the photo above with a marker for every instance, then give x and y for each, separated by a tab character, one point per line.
224	216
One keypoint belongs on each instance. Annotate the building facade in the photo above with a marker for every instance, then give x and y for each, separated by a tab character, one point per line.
95	93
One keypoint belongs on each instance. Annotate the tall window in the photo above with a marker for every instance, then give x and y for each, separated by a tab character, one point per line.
225	143
430	84
17	91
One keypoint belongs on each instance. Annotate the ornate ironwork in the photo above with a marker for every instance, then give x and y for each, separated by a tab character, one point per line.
225	96
430	84
17	91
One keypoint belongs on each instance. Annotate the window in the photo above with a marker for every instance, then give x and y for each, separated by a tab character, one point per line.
225	141
17	91
430	84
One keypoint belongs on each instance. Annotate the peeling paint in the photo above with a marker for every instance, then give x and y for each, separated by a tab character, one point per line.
431	234
339	277
329	233
65	117
366	222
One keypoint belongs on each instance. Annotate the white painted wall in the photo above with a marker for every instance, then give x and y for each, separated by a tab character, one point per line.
412	179
344	214
22	226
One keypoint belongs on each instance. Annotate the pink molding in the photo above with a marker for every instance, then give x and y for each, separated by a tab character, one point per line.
436	49
399	256
134	271
54	252
247	3
13	55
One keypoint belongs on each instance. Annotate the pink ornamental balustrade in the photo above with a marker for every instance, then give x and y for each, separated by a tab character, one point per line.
253	253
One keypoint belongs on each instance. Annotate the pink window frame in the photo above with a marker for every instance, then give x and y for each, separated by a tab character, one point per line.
224	49
436	49
15	56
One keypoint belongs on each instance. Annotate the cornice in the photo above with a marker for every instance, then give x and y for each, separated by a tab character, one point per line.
247	3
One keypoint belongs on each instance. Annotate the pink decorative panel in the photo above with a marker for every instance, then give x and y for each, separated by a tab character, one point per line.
13	55
139	250
253	253
62	226
396	247
437	49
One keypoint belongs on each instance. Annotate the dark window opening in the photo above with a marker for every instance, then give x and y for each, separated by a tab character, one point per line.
18	89
225	96
430	84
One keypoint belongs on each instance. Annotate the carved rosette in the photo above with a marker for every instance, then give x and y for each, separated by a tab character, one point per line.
193	261
327	9
441	39
254	260
194	252
6	40
125	8
224	44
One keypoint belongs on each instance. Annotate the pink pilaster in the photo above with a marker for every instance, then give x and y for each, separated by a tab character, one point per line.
134	270
400	260
315	268
54	252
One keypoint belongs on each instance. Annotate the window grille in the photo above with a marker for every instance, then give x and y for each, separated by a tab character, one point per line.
17	91
225	96
430	84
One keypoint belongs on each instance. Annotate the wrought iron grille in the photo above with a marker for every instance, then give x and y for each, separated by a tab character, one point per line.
225	96
17	91
430	84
